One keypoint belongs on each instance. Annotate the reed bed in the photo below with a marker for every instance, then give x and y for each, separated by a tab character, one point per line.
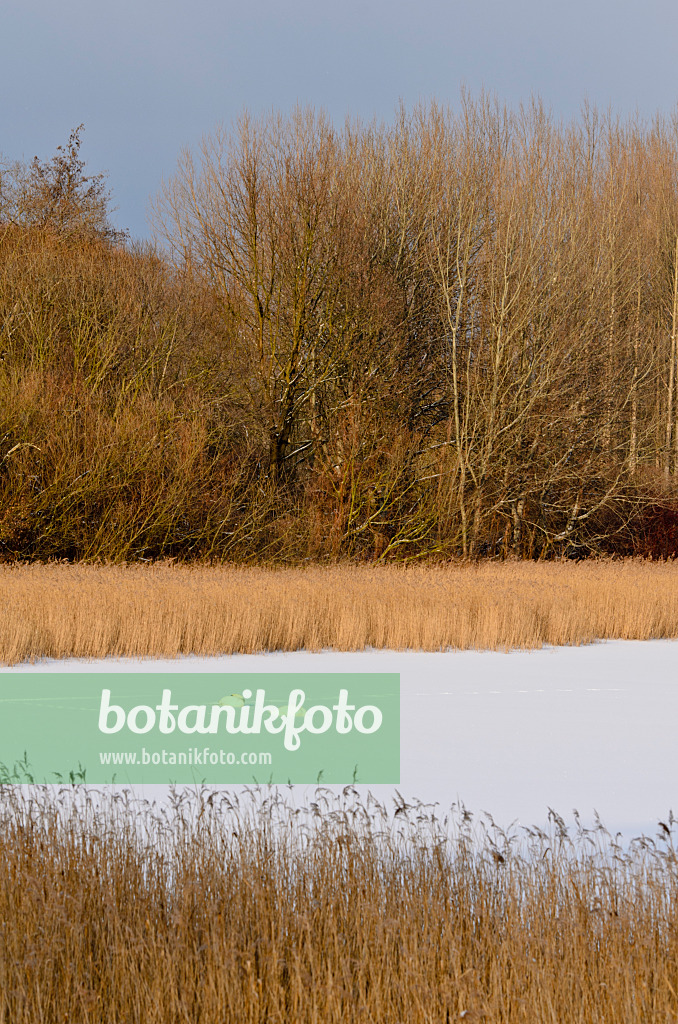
163	610
214	909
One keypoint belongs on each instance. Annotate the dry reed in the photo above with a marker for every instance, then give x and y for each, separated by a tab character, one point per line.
211	910
165	610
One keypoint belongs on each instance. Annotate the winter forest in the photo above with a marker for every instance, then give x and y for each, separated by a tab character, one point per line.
452	335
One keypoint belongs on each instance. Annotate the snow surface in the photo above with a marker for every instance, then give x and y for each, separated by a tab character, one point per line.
593	728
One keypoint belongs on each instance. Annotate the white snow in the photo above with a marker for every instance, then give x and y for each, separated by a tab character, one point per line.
593	728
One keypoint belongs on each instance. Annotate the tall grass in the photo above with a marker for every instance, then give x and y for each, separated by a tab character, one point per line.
212	910
164	610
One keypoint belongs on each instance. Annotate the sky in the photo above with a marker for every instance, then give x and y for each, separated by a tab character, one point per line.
150	77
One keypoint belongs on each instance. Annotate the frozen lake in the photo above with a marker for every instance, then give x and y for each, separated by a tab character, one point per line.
593	728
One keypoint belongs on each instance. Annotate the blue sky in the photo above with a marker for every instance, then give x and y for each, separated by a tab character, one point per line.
149	77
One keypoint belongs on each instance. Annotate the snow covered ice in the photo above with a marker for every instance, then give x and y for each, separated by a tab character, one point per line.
593	727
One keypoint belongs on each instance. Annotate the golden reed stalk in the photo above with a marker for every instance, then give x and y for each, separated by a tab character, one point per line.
217	910
164	610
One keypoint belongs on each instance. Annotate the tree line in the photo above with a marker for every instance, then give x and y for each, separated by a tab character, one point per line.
455	334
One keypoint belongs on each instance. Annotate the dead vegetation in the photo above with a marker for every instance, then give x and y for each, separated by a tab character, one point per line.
165	609
216	909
